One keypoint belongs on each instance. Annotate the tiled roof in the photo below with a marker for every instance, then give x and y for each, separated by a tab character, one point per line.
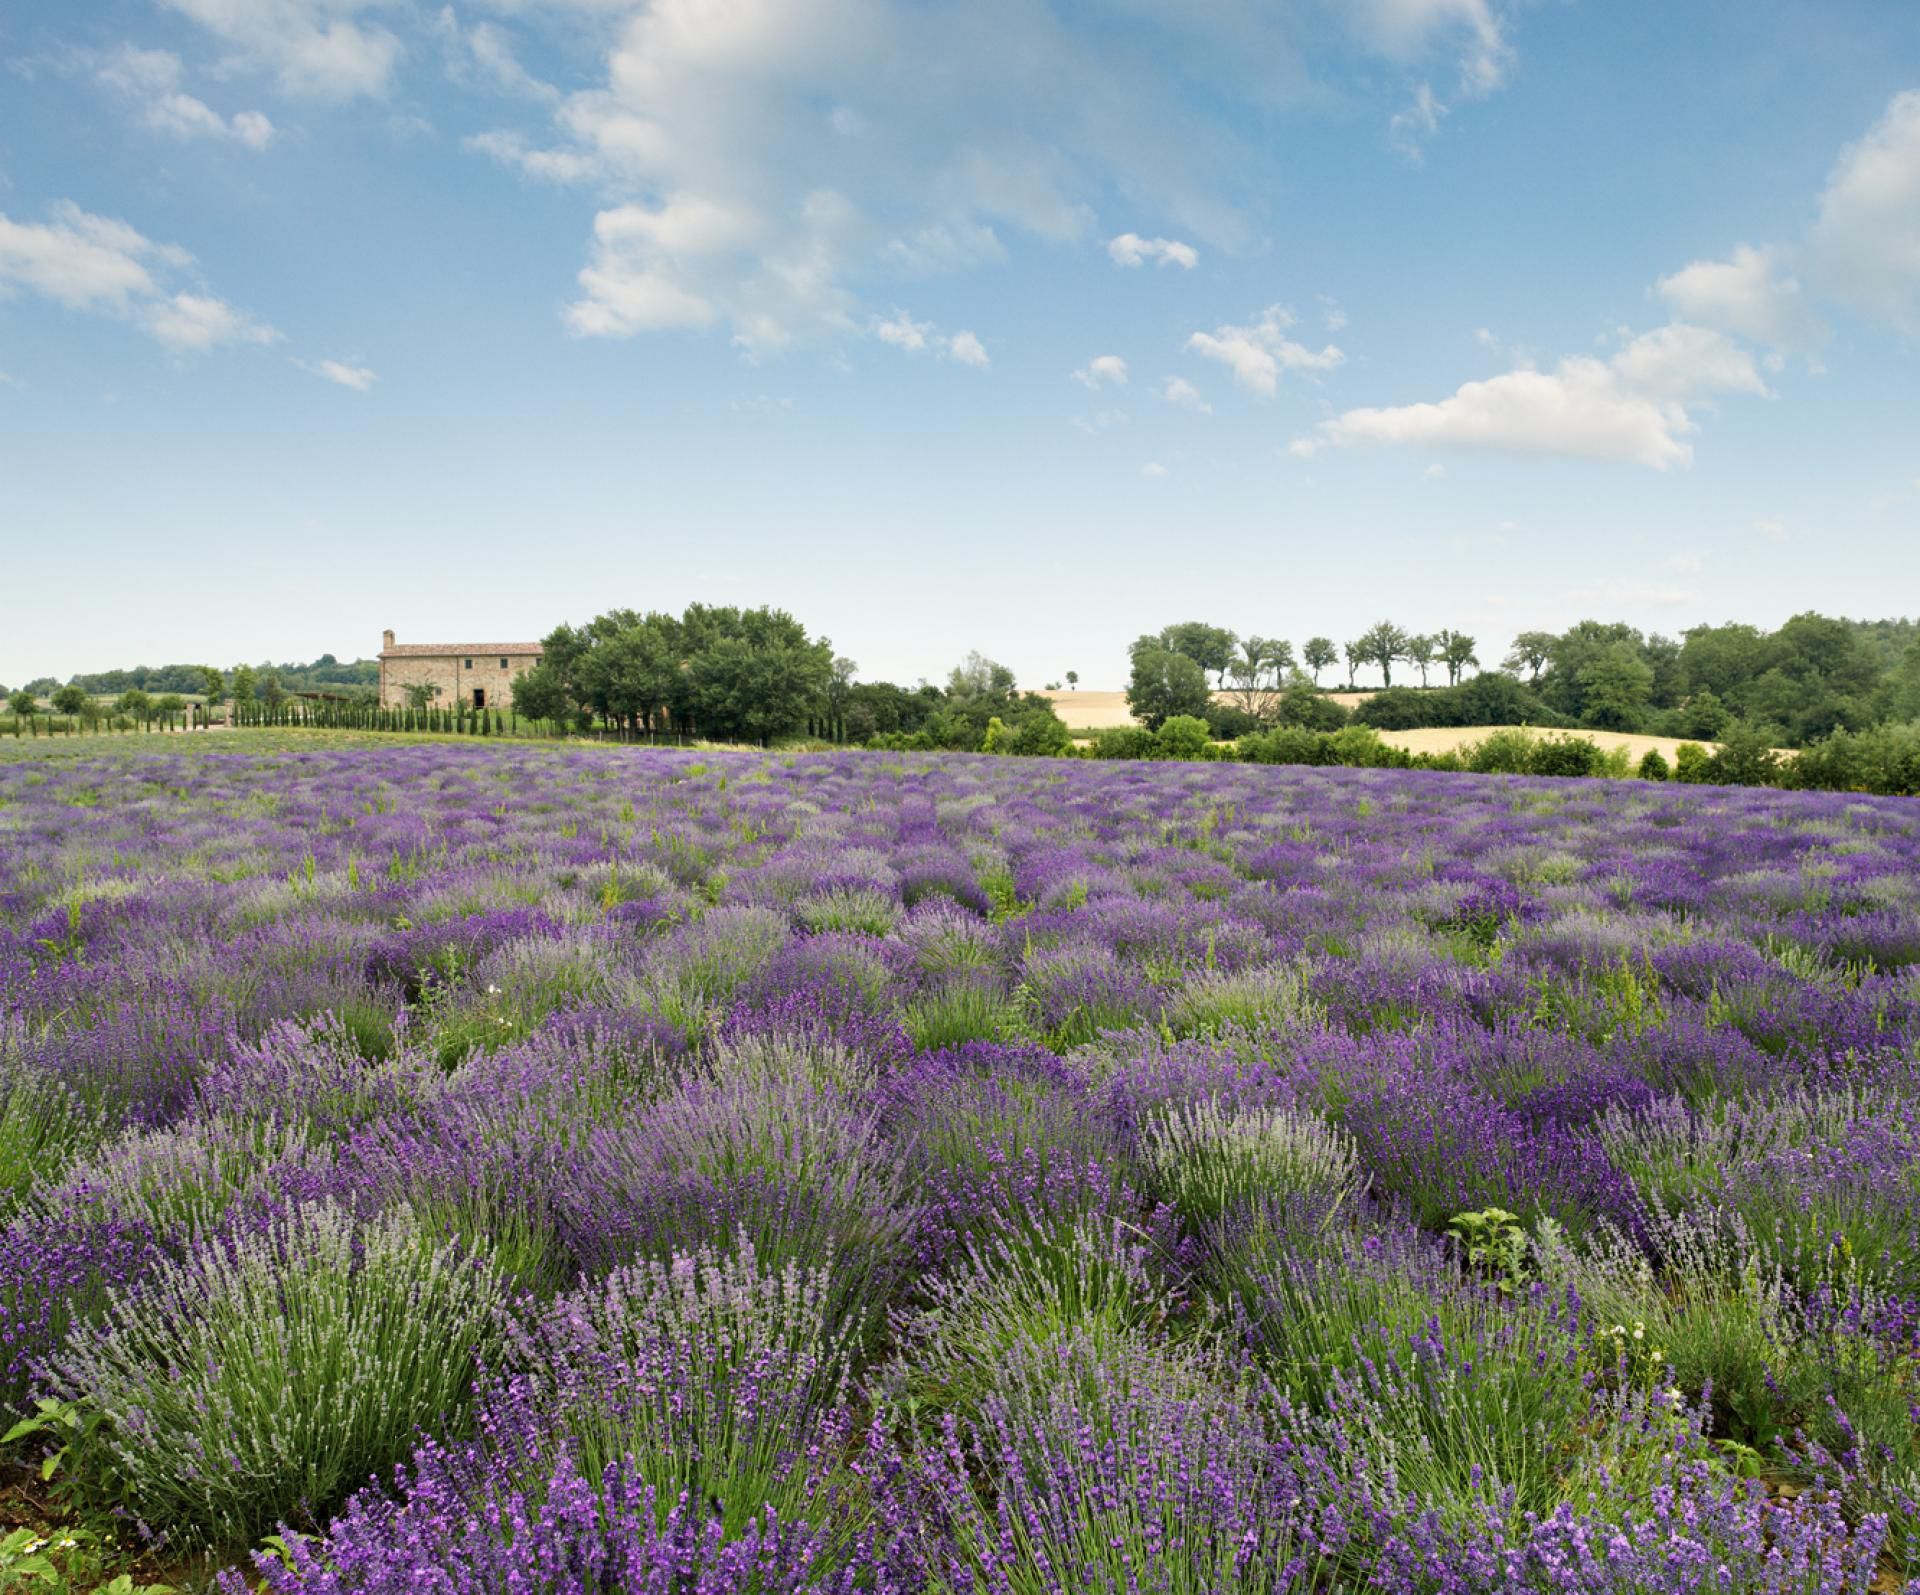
443	650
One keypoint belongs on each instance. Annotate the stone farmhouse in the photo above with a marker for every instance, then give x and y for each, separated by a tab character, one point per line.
479	675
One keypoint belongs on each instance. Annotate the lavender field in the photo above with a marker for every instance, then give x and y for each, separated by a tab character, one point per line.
542	1169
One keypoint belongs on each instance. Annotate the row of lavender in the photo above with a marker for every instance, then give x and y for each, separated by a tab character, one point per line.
840	1173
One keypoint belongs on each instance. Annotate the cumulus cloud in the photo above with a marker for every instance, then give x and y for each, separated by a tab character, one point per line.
1258	353
963	348
151	81
98	264
512	149
903	332
831	126
1181	392
1634	407
319	48
1864	249
1130	249
1102	370
359	378
1750	293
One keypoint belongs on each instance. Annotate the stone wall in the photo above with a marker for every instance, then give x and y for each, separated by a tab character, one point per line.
456	682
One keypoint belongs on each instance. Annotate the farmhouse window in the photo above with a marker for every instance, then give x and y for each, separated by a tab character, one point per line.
503	664
469	664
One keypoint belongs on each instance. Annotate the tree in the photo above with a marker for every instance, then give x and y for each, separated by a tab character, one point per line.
1421	650
420	695
1073	681
756	674
1209	647
1356	656
213	686
70	699
242	685
1382	644
272	694
1615	687
1040	734
134	704
1530	652
1320	654
1164	683
23	702
169	704
1456	653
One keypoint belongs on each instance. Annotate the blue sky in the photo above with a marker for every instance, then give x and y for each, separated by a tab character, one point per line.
950	325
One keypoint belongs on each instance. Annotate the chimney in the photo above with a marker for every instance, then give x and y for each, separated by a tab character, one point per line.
386	642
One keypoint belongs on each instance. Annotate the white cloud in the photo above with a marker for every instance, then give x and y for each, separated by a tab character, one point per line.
1130	249
1407	28
1181	392
1108	369
484	54
151	81
320	48
869	140
1153	468
1749	293
554	165
1257	354
1433	473
1100	421
1632	408
903	332
1864	249
1331	315
193	322
963	348
1409	129
1773	531
359	378
95	263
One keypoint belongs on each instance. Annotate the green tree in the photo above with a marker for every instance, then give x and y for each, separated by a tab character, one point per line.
1456	653
1164	683
1209	647
272	694
1257	672
70	699
1530	652
213	687
1421	652
242	685
420	695
134	704
1383	644
756	676
1320	654
23	702
1615	687
1073	681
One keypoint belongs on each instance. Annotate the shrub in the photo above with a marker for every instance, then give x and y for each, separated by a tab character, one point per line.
1124	742
1505	752
1745	758
706	1373
1181	736
1565	756
1208	1161
1692	763
1653	767
262	1378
